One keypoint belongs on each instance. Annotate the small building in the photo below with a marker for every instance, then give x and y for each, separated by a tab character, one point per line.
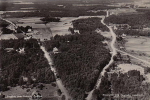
123	35
77	31
97	30
29	30
27	37
9	49
36	95
25	79
55	50
21	50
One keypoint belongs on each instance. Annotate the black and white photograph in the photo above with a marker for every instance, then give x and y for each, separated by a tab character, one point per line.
74	49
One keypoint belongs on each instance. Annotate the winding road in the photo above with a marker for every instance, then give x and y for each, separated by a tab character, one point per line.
114	52
47	56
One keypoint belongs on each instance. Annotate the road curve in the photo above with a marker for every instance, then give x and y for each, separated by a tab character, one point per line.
114	52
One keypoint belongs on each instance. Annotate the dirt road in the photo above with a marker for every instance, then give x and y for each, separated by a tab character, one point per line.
58	80
114	52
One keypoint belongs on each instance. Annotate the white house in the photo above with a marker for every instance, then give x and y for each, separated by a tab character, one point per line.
55	50
21	50
124	35
76	31
25	79
29	30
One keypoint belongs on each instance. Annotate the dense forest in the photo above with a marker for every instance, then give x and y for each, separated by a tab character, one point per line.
132	32
3	23
71	13
136	21
21	29
130	83
80	59
43	9
6	31
50	19
89	25
16	64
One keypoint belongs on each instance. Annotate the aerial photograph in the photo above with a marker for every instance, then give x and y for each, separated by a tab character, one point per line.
74	49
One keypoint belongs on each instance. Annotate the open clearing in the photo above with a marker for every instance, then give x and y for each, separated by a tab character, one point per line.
124	68
139	46
30	20
61	28
122	11
48	91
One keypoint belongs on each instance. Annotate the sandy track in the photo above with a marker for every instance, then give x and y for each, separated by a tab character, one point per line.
58	80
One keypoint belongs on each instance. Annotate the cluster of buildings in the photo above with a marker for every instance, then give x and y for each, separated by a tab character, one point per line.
16	34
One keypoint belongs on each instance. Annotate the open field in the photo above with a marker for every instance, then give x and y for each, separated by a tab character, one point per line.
14	20
44	33
7	36
61	28
122	11
139	46
124	68
48	91
30	20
